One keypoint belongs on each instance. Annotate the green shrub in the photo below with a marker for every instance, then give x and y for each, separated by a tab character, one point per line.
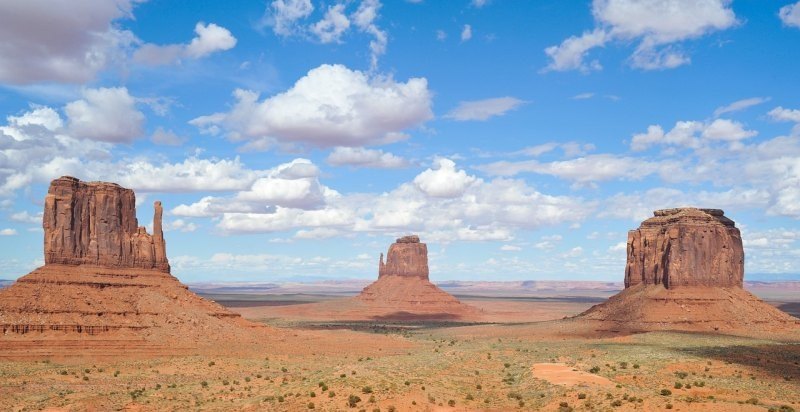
666	392
353	400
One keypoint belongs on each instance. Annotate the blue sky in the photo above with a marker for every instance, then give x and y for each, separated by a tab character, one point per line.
295	139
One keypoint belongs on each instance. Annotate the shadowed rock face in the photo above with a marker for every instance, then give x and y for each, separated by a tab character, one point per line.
685	247
407	257
95	223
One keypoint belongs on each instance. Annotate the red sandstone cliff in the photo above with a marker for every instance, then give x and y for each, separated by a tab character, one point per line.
406	257
95	223
685	247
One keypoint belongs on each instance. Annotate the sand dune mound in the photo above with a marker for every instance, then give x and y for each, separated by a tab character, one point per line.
105	288
684	271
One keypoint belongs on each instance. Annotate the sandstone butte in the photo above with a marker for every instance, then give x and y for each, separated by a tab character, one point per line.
684	271
106	287
404	291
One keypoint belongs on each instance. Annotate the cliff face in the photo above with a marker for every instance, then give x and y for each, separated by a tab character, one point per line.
95	223
685	247
407	257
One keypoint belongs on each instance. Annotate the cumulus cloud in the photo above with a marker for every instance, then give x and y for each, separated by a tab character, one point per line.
484	109
330	106
361	157
692	134
785	115
790	14
332	26
67	42
209	38
658	26
8	232
471	209
443	180
106	115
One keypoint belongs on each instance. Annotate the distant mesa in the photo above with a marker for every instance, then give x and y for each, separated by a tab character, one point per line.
106	288
684	271
403	290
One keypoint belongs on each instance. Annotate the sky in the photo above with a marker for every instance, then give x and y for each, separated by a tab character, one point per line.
294	140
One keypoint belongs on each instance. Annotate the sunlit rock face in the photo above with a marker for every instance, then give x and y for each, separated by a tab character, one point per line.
94	223
406	257
685	247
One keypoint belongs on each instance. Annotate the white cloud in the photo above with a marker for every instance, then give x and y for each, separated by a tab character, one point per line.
510	248
364	18
728	130
740	105
361	157
330	106
785	115
471	209
484	109
332	26
106	115
466	32
287	19
25	217
441	35
166	137
67	42
479	3
582	170
443	180
583	96
658	25
291	185
619	247
692	134
286	13
8	232
180	225
210	38
571	53
790	14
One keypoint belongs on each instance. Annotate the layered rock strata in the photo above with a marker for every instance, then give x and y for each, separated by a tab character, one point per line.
685	247
403	290
105	288
685	271
95	223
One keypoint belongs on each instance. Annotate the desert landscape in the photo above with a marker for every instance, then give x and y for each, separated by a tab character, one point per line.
104	326
390	206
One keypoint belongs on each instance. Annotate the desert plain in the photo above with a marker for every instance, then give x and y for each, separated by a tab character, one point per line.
514	360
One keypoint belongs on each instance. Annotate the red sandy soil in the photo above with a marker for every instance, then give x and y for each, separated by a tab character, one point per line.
61	311
561	374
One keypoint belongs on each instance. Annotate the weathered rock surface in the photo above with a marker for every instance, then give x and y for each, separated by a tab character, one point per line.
406	257
105	289
403	290
95	223
685	247
685	271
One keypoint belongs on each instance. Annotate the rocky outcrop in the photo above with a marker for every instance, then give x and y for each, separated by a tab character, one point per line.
105	288
407	257
685	247
94	223
685	272
403	290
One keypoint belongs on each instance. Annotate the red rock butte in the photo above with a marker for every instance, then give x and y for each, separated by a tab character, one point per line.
684	271
403	290
106	287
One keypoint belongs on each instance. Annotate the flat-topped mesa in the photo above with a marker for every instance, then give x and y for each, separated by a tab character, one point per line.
685	247
94	223
407	257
